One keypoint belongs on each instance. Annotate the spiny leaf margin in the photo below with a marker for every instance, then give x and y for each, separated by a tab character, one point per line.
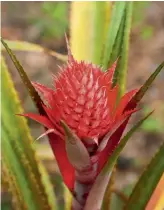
114	25
26	81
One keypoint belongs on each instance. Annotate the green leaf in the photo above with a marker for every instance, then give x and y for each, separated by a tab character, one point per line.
18	156
114	26
33	93
117	45
30	47
67	198
116	203
8	182
98	189
88	27
147	182
121	68
108	193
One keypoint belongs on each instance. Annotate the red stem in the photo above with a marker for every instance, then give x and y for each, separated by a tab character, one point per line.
83	183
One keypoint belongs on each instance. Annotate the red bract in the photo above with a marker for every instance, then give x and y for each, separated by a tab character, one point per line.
83	121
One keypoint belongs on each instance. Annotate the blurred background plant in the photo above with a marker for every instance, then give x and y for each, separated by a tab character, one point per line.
153	124
54	20
45	23
146	29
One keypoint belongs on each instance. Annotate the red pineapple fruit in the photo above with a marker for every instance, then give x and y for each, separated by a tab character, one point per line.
83	122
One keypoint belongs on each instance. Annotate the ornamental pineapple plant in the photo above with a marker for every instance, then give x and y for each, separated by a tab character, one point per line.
84	126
